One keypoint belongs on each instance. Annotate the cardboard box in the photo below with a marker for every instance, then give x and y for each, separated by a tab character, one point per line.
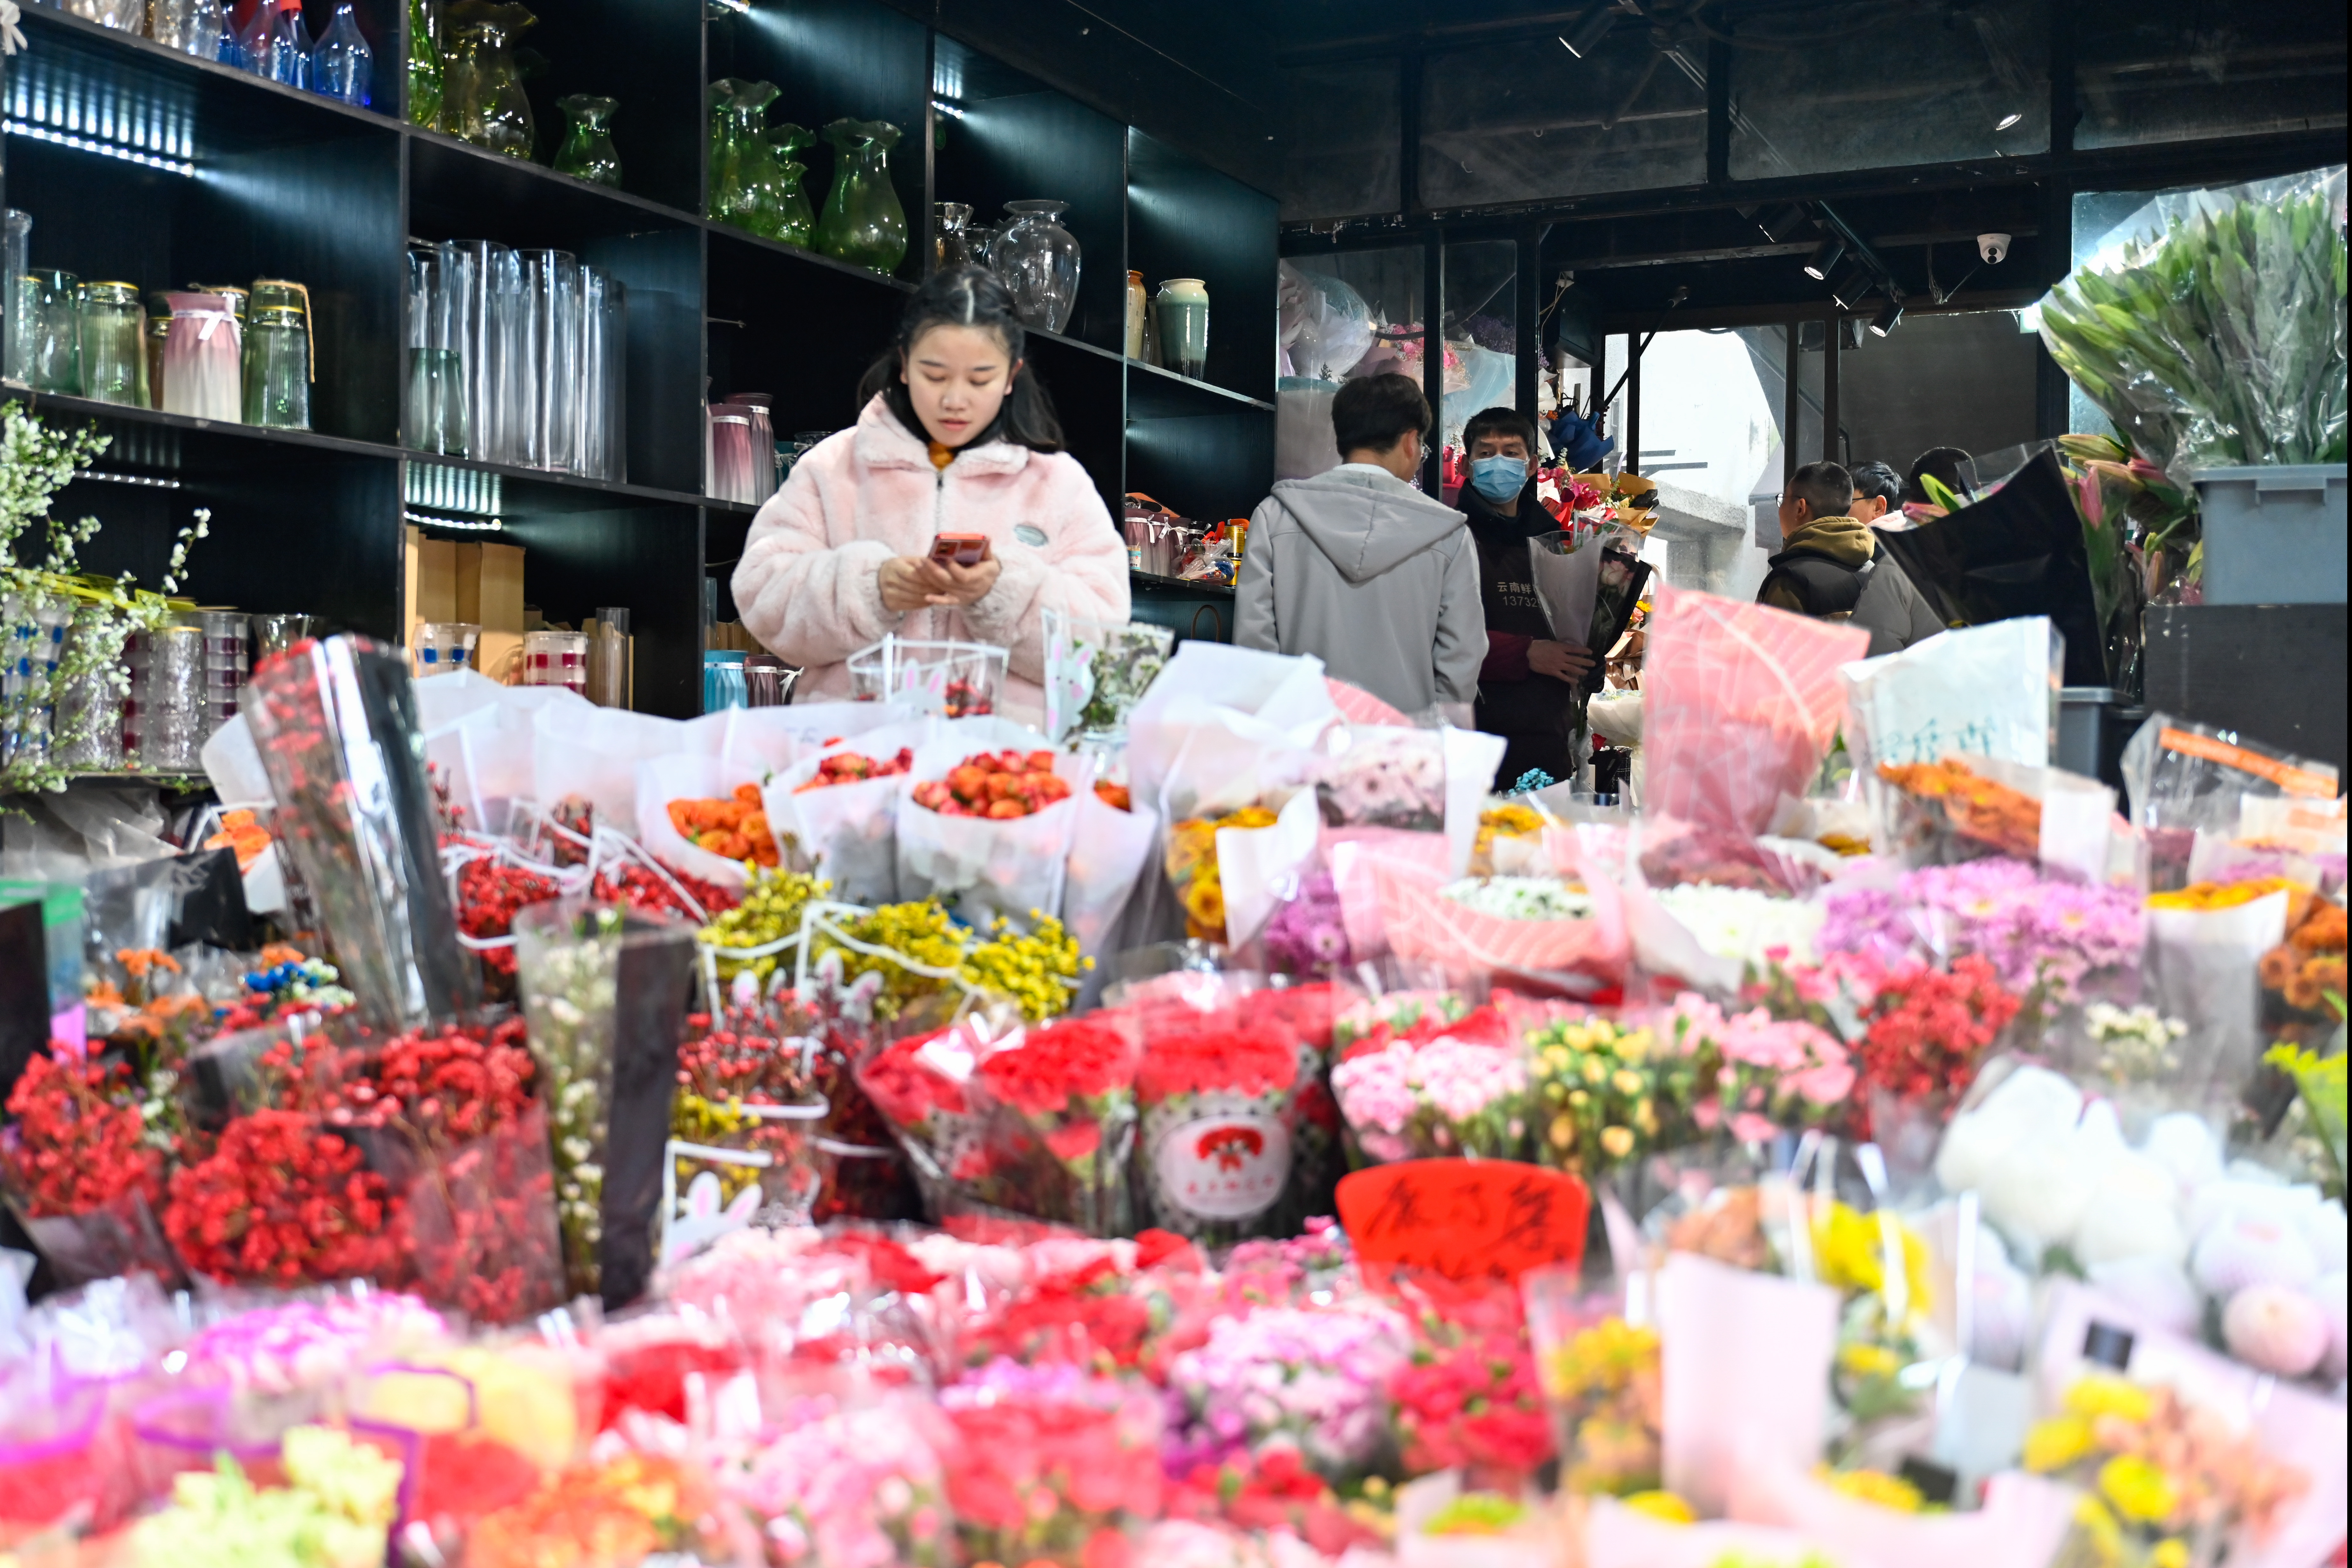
490	595
432	585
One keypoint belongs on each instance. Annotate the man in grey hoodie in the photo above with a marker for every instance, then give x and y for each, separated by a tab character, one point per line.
1361	569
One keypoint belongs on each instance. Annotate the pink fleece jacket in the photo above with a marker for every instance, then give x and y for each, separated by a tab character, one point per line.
806	586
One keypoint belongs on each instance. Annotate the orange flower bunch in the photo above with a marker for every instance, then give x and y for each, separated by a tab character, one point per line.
2008	820
735	828
2309	964
242	832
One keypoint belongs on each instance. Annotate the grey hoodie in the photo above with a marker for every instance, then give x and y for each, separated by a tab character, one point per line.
1374	578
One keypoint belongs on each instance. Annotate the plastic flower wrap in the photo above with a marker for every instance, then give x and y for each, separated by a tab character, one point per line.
1191	865
1045	1465
604	991
1312	1379
1436	1088
78	1171
2164	1481
1063	1124
1386	778
1600	1375
1218	1093
921	1085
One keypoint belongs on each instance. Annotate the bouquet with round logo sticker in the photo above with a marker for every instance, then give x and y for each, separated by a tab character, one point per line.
1219	1096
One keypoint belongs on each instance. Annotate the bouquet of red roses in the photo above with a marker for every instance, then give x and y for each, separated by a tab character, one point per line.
921	1084
80	1171
1062	1120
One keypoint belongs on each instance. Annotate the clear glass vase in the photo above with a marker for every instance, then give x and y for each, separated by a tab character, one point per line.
188	27
951	237
482	96
863	223
587	153
342	66
1038	259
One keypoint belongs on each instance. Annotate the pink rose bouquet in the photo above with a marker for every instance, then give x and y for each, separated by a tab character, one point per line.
1767	1074
1438	1089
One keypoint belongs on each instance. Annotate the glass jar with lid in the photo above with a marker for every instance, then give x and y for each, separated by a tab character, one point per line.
277	368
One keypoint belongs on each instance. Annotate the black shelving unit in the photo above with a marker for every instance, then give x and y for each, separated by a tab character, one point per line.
143	165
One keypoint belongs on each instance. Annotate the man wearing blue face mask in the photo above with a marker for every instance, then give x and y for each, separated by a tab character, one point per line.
1527	688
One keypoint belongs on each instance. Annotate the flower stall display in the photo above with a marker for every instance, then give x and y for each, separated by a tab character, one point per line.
988	833
850	1489
1607	1091
1600	1377
78	1171
1385	778
756	935
837	811
1192	871
1288	1377
1045	1475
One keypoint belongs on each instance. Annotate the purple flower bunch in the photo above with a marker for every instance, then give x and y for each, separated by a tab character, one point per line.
1307	934
1316	1378
2048	939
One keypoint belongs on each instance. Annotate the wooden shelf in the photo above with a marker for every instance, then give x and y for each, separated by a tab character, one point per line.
144	165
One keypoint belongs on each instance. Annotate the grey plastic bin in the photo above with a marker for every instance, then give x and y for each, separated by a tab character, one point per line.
2274	535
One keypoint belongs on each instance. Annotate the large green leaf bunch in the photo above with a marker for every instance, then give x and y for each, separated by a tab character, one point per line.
2221	344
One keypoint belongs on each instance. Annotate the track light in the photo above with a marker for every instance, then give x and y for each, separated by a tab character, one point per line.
2008	120
1850	283
1826	255
1888	319
1780	225
1587	34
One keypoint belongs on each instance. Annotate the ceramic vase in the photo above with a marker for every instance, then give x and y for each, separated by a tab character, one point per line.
1183	317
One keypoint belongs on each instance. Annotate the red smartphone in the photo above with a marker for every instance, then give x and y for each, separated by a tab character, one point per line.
963	548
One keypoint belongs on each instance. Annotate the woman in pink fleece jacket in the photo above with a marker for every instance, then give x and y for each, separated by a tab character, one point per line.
956	437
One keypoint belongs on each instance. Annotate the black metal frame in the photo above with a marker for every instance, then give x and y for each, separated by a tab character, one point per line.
2044	185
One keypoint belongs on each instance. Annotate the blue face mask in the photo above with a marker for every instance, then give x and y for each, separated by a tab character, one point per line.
1498	478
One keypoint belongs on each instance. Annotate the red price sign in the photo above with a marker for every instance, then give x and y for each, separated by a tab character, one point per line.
1465	1219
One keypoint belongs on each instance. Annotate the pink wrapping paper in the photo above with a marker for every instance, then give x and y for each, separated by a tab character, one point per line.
2023	1521
1745	1359
1359	706
1739	702
1423	926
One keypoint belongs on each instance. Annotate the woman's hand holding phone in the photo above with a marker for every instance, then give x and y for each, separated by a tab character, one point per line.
918	582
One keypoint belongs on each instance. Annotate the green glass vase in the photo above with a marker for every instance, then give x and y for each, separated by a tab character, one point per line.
482	96
424	64
743	179
795	218
587	153
863	222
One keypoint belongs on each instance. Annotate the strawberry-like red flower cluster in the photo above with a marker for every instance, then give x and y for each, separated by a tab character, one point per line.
281	1199
1000	784
738	1056
643	890
75	1147
489	894
1270	1490
1928	1030
1075	1058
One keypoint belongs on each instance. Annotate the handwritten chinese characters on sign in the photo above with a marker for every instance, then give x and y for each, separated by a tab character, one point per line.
1465	1219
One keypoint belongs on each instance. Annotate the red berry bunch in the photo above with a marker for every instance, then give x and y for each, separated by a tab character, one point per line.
489	894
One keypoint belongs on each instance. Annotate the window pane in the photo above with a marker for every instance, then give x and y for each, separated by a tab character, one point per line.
1710	437
1343	314
1526	121
1482	350
1345	136
1911	87
2174	70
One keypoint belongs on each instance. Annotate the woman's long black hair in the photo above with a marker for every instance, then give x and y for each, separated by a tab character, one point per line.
968	297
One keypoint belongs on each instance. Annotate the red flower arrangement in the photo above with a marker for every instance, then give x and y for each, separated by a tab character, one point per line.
281	1199
1205	1053
1037	1477
908	1089
75	1149
1926	1031
1469	1396
1271	1488
1082	1317
1063	1122
490	892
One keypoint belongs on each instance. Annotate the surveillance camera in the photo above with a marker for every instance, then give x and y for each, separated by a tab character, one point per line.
1993	247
